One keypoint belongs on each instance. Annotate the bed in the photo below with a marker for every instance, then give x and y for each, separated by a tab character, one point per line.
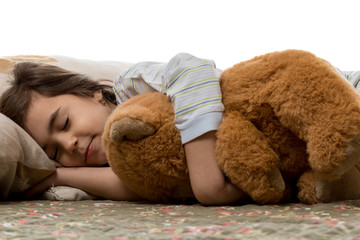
68	213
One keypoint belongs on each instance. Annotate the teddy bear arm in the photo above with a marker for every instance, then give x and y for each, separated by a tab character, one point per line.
248	161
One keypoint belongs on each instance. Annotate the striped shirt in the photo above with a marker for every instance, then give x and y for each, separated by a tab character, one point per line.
353	77
191	83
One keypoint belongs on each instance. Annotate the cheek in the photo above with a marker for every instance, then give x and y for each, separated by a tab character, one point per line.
96	118
101	159
104	113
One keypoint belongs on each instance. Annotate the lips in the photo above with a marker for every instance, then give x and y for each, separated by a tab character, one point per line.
89	150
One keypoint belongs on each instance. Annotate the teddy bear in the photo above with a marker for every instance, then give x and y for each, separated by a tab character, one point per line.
290	119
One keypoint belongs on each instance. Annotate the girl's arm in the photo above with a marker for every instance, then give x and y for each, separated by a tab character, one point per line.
100	181
192	85
207	180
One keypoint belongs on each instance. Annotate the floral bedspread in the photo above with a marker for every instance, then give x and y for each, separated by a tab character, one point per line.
127	220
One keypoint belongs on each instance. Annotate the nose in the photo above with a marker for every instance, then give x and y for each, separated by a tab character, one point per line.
68	142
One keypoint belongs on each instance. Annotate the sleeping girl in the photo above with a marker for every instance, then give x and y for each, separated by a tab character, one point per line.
65	113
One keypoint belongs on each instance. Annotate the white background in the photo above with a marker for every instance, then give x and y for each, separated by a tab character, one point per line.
227	31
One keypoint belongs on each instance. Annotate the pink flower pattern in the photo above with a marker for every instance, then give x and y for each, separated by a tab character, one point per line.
126	221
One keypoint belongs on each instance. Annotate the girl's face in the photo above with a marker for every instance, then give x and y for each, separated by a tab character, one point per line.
69	127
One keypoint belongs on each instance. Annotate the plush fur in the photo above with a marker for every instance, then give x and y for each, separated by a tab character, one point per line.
287	115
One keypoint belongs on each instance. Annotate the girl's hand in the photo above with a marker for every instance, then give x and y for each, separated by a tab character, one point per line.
100	181
41	187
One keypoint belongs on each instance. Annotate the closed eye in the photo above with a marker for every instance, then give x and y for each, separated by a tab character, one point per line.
57	149
55	154
65	124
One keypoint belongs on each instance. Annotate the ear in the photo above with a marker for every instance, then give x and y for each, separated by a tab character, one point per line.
98	96
131	129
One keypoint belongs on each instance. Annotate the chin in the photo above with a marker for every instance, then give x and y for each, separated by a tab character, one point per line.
99	162
97	159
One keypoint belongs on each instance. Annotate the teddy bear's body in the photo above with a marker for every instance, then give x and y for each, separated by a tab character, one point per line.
298	112
285	113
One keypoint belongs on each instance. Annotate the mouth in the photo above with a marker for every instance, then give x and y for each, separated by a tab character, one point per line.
89	150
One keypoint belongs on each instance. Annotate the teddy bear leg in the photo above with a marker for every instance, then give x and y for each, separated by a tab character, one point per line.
325	113
245	156
314	189
313	100
331	130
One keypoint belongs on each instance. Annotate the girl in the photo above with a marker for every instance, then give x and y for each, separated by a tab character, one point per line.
65	113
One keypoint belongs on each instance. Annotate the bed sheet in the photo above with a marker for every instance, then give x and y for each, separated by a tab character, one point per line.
95	219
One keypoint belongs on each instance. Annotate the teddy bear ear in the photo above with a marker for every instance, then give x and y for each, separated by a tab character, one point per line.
130	128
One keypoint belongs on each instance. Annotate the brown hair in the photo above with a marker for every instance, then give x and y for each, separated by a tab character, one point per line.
47	80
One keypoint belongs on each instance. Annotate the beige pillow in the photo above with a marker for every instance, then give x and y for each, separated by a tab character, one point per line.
62	193
22	161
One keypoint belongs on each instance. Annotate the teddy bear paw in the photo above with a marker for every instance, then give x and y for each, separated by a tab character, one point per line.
352	157
270	196
270	190
276	180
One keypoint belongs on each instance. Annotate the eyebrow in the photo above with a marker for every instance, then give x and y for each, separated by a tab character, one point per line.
53	118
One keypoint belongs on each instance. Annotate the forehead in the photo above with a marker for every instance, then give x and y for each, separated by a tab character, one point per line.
40	106
38	114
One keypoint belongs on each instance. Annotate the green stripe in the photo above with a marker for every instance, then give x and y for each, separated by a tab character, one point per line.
185	74
190	90
191	110
192	103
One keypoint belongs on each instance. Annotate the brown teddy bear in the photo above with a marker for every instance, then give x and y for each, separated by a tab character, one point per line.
287	115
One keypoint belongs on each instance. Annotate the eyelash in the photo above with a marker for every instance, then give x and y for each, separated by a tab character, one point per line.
66	123
64	127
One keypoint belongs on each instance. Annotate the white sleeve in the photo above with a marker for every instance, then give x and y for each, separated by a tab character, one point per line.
194	89
191	83
353	77
132	81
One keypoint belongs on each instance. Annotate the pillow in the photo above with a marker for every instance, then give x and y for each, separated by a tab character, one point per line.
22	161
63	193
